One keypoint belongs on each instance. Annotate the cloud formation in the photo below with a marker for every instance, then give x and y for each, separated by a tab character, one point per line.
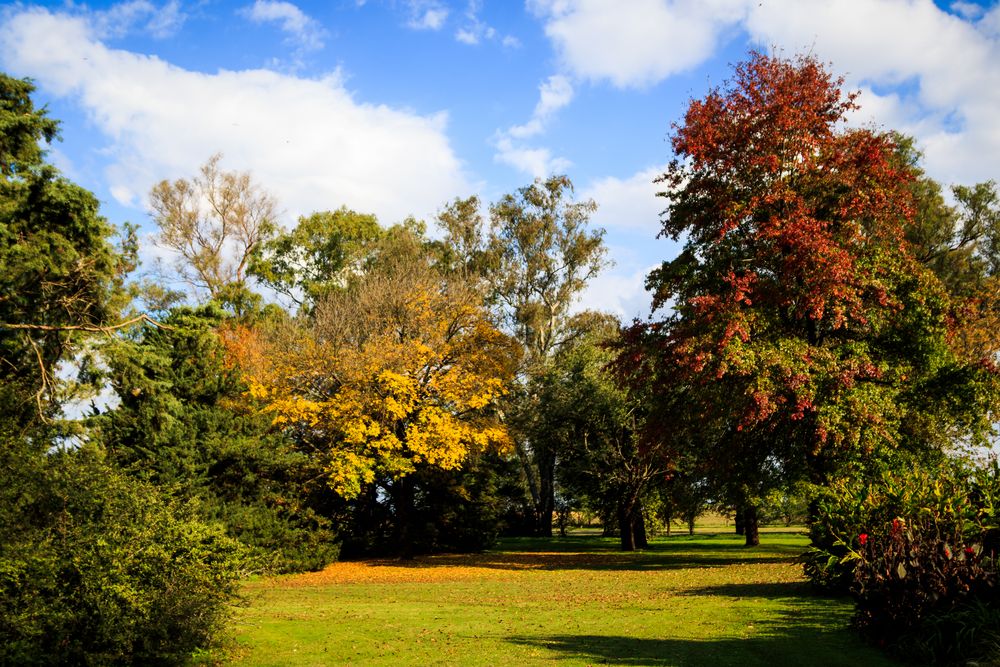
426	14
308	141
638	43
553	94
945	63
303	32
125	17
630	203
475	31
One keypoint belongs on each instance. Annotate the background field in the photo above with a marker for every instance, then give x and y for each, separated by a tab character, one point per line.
702	600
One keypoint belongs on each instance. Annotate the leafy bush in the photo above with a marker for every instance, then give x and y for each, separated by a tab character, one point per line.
918	549
96	569
285	539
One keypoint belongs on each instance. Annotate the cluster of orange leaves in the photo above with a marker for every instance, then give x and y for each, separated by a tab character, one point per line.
416	390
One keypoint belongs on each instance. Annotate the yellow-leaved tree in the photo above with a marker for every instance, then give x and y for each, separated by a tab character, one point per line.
400	370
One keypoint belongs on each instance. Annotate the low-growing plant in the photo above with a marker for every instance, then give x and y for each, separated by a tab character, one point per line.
918	550
915	577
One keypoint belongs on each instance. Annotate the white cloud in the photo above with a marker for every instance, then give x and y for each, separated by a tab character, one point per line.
308	141
636	43
629	210
554	94
432	19
538	162
989	25
969	10
628	204
621	292
511	42
426	14
476	30
467	36
303	31
125	17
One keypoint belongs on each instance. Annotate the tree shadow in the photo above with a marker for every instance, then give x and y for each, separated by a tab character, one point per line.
802	650
799	636
771	591
612	561
589	552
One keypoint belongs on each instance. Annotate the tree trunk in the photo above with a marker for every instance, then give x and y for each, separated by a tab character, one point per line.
639	527
608	521
750	526
530	475
669	519
740	520
691	518
546	492
403	498
626	528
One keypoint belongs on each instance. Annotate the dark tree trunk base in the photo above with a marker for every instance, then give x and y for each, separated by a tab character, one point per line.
751	526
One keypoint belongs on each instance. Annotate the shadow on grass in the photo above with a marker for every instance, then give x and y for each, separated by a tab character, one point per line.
698	542
771	591
806	634
593	553
581	561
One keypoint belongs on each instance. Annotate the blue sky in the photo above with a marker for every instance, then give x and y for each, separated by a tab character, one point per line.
397	106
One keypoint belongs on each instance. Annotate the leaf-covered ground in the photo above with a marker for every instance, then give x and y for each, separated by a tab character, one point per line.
703	600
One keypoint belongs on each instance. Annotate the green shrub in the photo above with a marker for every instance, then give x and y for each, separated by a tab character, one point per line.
96	569
286	539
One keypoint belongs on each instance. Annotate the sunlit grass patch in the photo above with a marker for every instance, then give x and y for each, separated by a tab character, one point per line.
577	601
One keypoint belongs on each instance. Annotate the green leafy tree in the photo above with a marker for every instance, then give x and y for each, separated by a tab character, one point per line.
540	254
606	455
319	255
94	567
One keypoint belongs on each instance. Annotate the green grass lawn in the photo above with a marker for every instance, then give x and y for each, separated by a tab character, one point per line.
701	600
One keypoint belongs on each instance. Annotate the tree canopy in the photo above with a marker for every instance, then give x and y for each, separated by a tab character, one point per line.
802	317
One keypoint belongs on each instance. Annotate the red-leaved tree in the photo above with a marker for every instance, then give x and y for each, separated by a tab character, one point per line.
803	330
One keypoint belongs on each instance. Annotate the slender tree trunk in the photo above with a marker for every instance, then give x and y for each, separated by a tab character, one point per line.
547	492
530	477
403	498
669	519
751	527
691	518
740	520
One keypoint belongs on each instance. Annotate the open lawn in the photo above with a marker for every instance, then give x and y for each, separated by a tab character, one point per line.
701	600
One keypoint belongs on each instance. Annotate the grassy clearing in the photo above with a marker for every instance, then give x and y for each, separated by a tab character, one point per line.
701	600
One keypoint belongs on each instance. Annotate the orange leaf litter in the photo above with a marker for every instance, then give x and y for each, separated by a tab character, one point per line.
451	567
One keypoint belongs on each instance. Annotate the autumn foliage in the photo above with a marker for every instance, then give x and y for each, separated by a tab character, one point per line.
797	297
397	372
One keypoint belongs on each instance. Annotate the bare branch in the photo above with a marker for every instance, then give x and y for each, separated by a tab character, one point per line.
95	328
